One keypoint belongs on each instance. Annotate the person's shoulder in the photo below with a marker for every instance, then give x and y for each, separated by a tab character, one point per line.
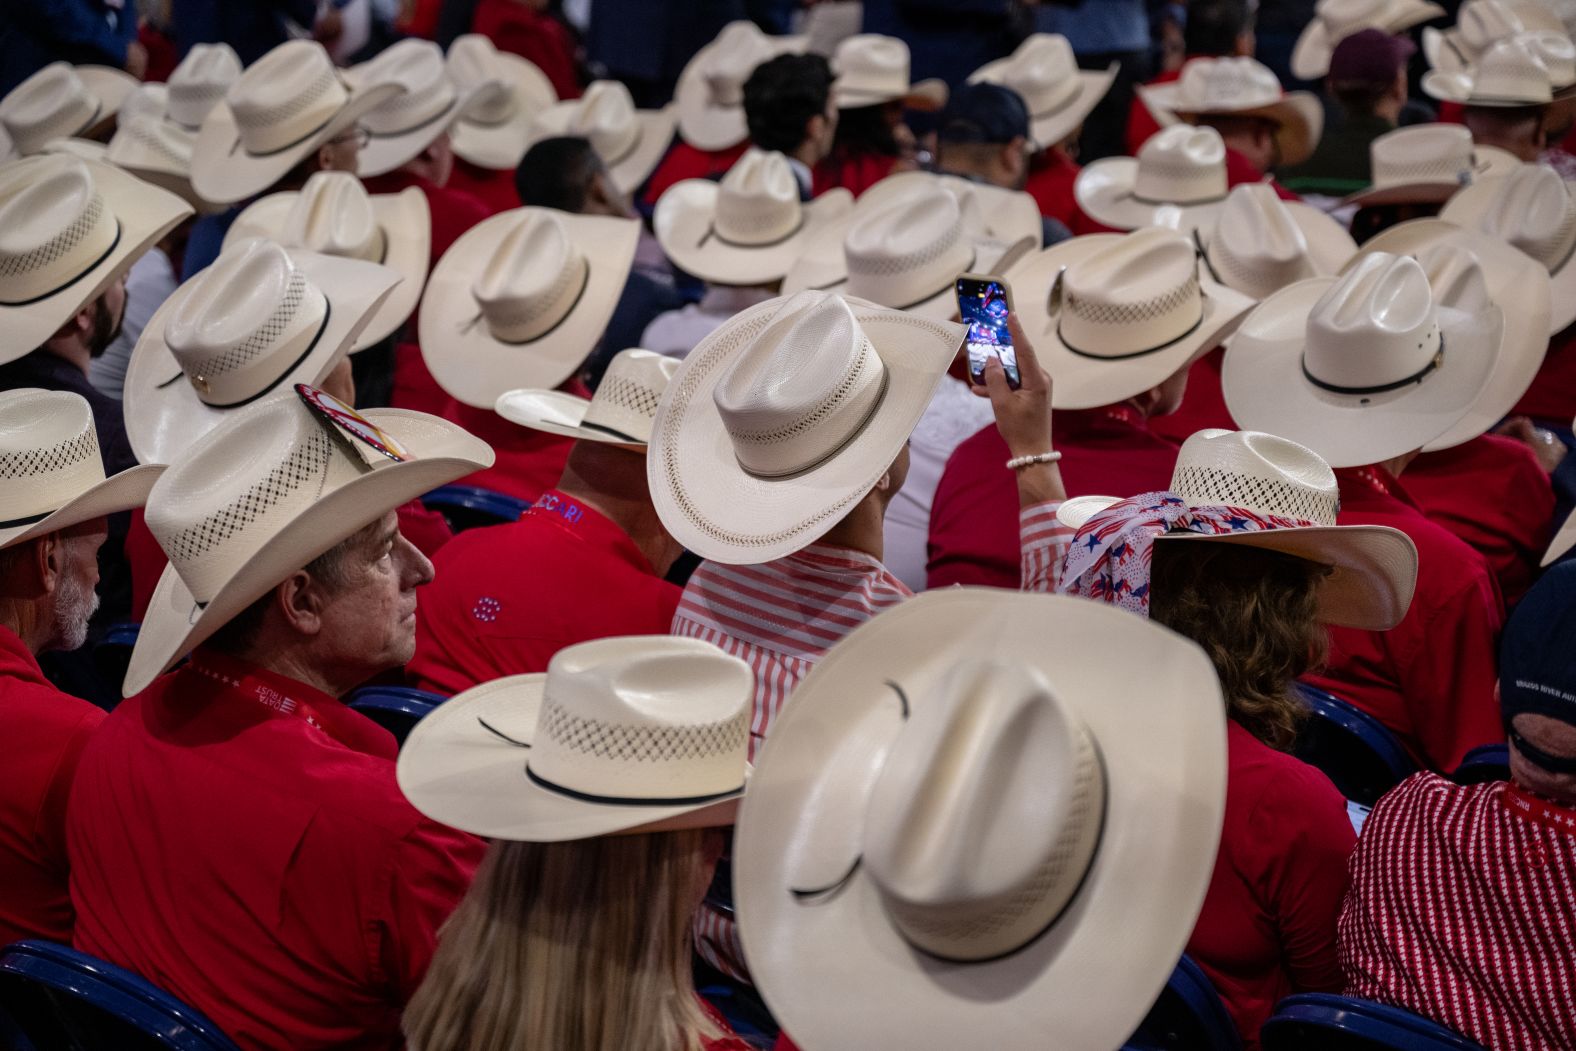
1423	796
45	714
1275	778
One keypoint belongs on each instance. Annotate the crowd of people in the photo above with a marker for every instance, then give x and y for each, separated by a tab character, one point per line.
835	687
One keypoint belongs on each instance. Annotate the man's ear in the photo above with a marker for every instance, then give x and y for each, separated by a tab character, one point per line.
47	564
301	601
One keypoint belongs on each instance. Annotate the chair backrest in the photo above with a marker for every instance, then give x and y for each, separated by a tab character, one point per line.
469	506
112	653
1355	750
395	708
64	1000
1326	1022
1486	762
1188	1016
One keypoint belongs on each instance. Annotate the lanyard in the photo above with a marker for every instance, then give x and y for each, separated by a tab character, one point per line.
1540	811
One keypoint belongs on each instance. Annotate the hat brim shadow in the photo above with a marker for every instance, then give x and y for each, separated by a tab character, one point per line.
1104	190
556	412
119	492
500	146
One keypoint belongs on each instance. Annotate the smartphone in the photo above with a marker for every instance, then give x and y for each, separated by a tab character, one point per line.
983	303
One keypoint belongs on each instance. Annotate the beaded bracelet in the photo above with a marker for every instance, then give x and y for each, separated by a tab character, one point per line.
1018	463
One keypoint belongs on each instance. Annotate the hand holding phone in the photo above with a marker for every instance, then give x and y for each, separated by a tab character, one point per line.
983	304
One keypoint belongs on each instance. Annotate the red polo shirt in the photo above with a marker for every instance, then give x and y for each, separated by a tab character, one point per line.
534	35
504	599
855	173
1552	396
1267	928
1430	678
974	519
528	463
492	186
684	161
237	838
48	730
1493	493
1050	183
1203	405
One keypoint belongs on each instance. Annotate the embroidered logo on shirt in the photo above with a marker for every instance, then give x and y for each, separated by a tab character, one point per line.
486	609
565	509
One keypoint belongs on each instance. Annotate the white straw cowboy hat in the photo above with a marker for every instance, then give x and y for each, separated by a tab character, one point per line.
1241	87
158	151
1114	315
1531	209
334	215
156	128
68	229
51	474
1335	20
257	320
638	734
749	229
1000	214
982	823
280	110
1178	179
1557	52
62	101
629	141
1373	569
267	490
1368	366
1479	25
1260	243
506	93
782	419
620	413
1057	94
1507	75
1427	164
1518	285
709	97
399	128
872	69
200	82
521	299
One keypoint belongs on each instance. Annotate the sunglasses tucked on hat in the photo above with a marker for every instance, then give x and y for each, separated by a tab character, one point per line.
709	97
334	215
1266	492
62	101
281	109
428	103
1113	315
638	734
620	413
505	95
1259	244
873	69
51	473
267	490
1045	74
1241	87
521	299
782	419
1519	286
1480	24
258	320
1369	366
1531	209
1507	75
630	142
1427	164
1537	663
1178	179
68	228
1335	20
980	823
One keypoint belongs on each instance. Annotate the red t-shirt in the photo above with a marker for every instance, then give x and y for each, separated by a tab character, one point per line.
494	187
505	598
1141	124
684	161
1267	928
1203	405
856	173
1552	396
974	535
238	839
1431	678
529	462
48	730
1050	183
535	36
1492	493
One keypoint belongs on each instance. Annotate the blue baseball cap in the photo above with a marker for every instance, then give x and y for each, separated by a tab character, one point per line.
987	113
1537	661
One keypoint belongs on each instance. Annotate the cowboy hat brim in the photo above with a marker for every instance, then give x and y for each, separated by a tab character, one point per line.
1053	126
119	492
636	165
1467	209
1094	973
1083	381
706	125
1461	87
224	171
684	222
1265	387
1104	190
1488	162
1299	116
468	362
385	152
1520	287
924	95
717	509
164	415
556	412
404	218
989	257
1373	569
159	168
176	623
1328	242
82	149
1310	57
460	774
500	146
143	213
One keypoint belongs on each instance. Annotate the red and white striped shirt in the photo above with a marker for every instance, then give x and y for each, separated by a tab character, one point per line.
1463	909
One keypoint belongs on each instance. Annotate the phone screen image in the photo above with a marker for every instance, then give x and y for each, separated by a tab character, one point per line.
983	307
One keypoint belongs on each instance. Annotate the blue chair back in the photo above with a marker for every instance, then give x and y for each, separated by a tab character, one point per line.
1188	1016
63	1000
1326	1022
469	506
1355	750
112	653
395	708
1486	762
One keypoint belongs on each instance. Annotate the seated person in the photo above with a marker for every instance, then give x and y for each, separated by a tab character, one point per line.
872	139
788	106
1212	29
1368	82
984	137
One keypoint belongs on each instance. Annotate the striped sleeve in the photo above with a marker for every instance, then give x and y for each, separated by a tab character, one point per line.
1043	541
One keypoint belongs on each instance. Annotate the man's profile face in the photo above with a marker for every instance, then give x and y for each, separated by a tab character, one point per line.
369	623
109	313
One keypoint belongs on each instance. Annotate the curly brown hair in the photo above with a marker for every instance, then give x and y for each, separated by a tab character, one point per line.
1255	612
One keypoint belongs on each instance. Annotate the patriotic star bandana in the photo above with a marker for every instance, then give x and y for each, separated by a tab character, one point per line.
1109	557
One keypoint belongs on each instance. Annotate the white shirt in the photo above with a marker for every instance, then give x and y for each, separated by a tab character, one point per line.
675	332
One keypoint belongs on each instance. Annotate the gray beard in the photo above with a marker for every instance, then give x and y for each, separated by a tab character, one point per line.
74	607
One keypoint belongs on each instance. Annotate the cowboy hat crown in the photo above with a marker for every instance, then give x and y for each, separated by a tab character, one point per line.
1533	210
200	82
909	251
333	215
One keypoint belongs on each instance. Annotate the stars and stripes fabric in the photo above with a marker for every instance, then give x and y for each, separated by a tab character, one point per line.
1463	909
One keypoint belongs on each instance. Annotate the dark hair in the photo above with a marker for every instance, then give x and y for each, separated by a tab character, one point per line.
865	130
1213	26
1359	98
782	95
1255	612
557	173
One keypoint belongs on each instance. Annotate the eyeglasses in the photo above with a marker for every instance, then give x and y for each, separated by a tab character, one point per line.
358	135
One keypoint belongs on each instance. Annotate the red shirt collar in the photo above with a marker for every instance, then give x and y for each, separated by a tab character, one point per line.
1105	420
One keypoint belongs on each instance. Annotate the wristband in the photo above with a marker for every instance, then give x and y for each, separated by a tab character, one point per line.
1018	463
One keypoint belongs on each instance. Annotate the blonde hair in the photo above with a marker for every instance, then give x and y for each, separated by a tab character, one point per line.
581	946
